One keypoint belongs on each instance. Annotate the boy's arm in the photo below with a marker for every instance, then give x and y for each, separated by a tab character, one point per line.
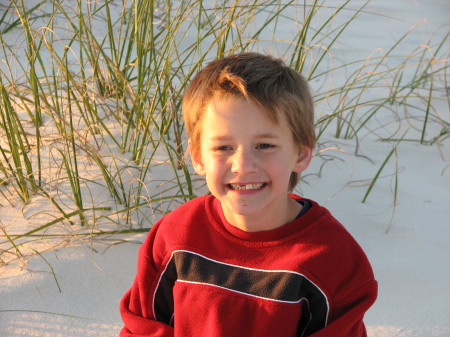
136	306
137	325
347	317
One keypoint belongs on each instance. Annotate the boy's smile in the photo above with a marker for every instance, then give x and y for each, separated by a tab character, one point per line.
246	187
247	160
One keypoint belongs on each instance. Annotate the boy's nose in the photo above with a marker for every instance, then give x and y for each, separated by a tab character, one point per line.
243	162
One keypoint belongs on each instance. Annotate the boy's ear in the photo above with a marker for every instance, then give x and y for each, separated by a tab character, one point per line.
303	160
196	160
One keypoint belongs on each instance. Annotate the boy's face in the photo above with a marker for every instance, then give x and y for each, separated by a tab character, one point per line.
247	160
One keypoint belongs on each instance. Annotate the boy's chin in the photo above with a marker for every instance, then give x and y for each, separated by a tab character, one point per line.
244	210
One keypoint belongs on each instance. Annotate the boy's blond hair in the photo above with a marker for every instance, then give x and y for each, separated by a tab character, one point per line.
259	79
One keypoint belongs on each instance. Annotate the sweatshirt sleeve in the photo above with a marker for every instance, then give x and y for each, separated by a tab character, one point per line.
347	318
136	306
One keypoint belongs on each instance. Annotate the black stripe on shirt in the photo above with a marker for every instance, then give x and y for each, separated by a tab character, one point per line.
279	285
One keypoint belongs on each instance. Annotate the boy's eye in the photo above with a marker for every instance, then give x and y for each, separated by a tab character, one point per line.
223	148
264	146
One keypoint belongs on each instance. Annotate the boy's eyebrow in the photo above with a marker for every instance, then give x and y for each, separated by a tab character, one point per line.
268	135
262	135
218	138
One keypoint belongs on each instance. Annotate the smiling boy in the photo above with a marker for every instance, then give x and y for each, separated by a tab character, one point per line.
247	161
250	259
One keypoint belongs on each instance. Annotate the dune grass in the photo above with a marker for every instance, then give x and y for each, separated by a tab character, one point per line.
91	127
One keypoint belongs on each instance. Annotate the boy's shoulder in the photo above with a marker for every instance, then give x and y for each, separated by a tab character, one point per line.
177	228
190	214
317	226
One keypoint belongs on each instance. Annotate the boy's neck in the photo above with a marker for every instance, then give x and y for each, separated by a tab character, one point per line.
263	222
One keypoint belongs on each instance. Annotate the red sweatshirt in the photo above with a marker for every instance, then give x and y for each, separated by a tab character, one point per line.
200	276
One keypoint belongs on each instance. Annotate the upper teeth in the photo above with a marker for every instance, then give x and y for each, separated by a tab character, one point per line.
246	187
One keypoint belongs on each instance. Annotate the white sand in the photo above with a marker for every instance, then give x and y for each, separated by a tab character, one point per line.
410	261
